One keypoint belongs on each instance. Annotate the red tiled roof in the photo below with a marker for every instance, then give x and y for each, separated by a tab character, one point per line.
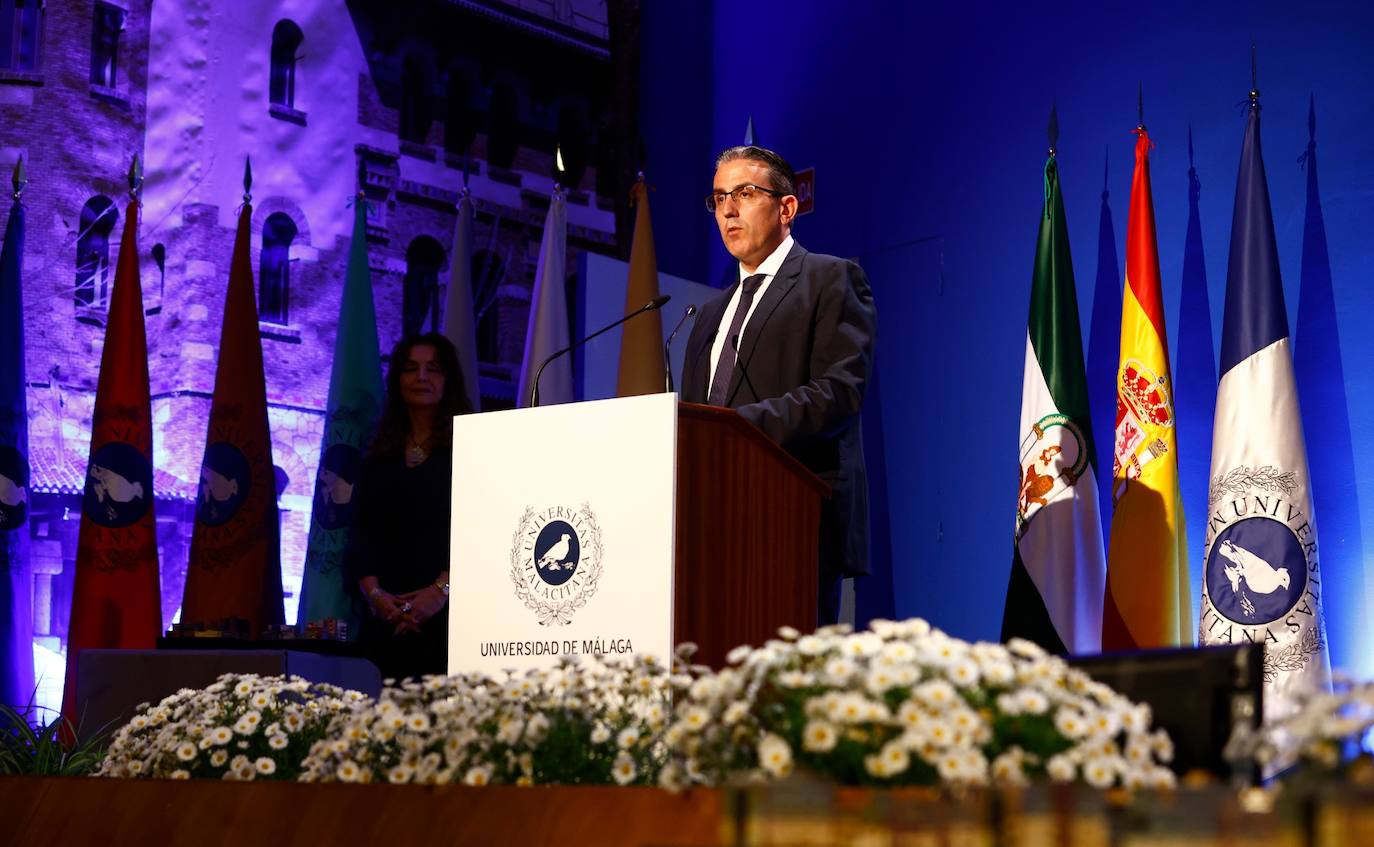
51	473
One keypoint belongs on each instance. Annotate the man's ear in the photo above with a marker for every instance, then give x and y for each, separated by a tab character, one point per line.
789	208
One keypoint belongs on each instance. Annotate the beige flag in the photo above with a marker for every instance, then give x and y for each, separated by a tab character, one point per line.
641	340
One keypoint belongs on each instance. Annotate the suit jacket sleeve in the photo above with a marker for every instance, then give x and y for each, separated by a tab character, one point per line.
844	330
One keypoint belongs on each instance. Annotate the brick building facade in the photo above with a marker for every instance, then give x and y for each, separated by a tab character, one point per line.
326	97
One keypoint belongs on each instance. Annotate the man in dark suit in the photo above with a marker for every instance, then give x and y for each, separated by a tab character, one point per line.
790	346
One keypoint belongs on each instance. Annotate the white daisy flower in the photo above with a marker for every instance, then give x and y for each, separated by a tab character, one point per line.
600	734
895	758
477	776
181	773
221	735
186	751
819	737
862	645
349	771
400	774
628	737
1007	769
810	645
265	766
1071	723
1099	772
219	758
417	722
879	681
775	756
739	654
1061	768
735	712
695	718
623	770
277	742
963	672
935	693
1032	702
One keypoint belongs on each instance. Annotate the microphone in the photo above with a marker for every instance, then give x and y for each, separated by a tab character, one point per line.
734	342
656	303
667	358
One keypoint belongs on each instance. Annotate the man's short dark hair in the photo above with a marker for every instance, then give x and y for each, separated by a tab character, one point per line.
784	179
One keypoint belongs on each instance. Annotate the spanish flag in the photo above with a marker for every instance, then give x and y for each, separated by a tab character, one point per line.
1148	588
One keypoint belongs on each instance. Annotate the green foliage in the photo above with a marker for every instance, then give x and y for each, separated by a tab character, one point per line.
41	750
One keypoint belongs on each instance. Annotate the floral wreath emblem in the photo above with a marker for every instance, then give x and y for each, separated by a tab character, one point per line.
555	561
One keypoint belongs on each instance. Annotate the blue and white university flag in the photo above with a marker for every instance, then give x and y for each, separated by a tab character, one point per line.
1261	582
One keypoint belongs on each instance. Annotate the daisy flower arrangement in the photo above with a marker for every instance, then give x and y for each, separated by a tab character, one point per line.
241	727
1330	732
905	704
581	722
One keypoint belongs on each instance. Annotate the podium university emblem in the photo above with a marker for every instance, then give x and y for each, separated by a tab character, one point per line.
555	561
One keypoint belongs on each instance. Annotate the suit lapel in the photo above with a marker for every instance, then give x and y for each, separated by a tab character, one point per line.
781	285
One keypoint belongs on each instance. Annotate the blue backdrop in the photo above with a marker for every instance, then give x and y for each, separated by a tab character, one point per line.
927	131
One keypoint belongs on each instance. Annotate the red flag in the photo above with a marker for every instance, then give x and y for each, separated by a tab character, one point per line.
115	599
235	563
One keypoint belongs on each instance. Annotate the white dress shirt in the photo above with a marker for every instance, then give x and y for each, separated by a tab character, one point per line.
769	268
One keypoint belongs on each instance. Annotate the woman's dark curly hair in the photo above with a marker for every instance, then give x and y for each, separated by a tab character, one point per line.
394	426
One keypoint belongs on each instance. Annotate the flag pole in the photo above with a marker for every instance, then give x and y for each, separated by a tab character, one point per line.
1053	129
19	180
136	179
1140	106
247	180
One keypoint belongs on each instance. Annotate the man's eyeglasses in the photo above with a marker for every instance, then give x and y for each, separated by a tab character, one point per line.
743	196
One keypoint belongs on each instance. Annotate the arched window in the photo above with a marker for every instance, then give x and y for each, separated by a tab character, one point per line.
159	254
286	41
503	130
98	218
420	287
487	273
274	268
415	105
21	23
459	126
105	32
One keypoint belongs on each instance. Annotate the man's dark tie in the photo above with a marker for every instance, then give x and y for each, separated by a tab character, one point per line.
725	366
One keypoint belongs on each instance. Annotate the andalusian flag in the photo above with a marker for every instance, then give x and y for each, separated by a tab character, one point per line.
1147	602
355	404
1261	584
1055	593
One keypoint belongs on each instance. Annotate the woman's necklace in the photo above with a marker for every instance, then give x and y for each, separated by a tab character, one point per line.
415	452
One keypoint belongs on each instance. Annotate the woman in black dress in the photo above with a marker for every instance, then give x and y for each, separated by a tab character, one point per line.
399	547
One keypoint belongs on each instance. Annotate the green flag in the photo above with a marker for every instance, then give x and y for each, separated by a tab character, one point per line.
355	403
1057	577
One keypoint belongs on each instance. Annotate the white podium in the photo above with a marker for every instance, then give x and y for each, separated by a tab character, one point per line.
562	533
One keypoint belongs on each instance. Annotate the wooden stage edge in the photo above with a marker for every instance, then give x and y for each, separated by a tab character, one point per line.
86	810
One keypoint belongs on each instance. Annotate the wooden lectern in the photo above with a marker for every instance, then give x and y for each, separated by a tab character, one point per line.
624	527
748	517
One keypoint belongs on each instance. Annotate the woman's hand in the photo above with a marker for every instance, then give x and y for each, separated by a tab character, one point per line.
424	603
389	607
